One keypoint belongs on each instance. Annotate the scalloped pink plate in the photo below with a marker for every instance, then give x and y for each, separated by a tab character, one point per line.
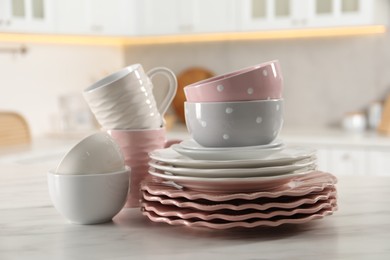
251	223
299	186
234	215
237	205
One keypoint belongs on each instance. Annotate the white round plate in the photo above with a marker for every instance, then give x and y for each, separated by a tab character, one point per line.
287	156
227	154
308	164
247	184
191	144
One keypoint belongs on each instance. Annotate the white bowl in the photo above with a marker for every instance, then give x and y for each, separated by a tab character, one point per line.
89	199
95	154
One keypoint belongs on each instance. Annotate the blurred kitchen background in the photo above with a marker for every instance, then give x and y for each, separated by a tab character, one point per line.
335	56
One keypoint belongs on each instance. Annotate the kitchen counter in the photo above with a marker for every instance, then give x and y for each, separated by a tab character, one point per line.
30	228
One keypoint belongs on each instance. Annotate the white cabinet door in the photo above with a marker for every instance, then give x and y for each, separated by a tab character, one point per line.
114	17
272	14
340	12
97	17
348	161
286	14
164	17
214	16
26	16
379	162
71	16
158	17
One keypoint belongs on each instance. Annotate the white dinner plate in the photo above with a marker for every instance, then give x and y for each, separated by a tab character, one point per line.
227	154
287	156
191	144
309	164
246	184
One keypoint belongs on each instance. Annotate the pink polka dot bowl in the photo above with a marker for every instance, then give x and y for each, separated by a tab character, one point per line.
234	124
259	82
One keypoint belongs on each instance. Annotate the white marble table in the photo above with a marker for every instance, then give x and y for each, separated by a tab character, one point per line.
30	228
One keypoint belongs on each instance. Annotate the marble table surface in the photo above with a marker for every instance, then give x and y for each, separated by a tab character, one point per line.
30	228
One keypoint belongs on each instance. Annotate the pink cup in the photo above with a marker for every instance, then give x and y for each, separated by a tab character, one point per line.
259	82
135	146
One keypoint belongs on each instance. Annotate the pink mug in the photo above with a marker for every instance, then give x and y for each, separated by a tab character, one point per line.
136	145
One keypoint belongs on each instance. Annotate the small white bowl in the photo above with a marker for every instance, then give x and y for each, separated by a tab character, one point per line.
89	199
95	154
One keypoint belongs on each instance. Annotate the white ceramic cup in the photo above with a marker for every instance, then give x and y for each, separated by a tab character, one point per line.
124	99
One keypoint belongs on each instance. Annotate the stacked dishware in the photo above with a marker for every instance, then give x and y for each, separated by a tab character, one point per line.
234	171
131	110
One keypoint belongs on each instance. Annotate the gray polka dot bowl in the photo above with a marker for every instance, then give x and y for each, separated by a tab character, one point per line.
234	124
259	82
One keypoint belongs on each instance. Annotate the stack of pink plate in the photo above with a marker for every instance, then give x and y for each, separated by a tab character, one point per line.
282	187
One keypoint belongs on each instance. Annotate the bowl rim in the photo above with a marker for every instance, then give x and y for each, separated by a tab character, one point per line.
54	173
229	75
275	100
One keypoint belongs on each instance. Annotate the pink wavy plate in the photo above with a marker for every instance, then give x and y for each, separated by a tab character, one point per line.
240	205
296	187
276	221
172	211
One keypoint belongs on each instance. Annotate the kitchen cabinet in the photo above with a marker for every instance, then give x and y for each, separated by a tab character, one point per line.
97	17
356	160
26	16
158	17
378	161
287	14
347	161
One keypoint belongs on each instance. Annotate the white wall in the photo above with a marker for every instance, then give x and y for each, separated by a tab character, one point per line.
324	77
31	83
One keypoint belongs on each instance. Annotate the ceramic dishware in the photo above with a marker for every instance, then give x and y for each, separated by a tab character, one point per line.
135	146
124	99
234	172
190	144
287	156
301	199
259	82
228	154
95	154
231	185
232	124
91	198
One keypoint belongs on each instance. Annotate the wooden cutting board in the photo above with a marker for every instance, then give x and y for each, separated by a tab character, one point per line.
185	78
384	126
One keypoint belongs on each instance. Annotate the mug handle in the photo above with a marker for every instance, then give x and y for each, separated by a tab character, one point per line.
169	143
164	105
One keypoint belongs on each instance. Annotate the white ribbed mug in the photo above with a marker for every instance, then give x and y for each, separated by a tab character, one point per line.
124	99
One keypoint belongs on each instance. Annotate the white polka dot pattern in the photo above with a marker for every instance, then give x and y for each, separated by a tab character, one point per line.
220	88
265	73
259	119
229	110
250	91
226	136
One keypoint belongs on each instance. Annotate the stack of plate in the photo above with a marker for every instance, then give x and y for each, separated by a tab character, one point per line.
222	188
